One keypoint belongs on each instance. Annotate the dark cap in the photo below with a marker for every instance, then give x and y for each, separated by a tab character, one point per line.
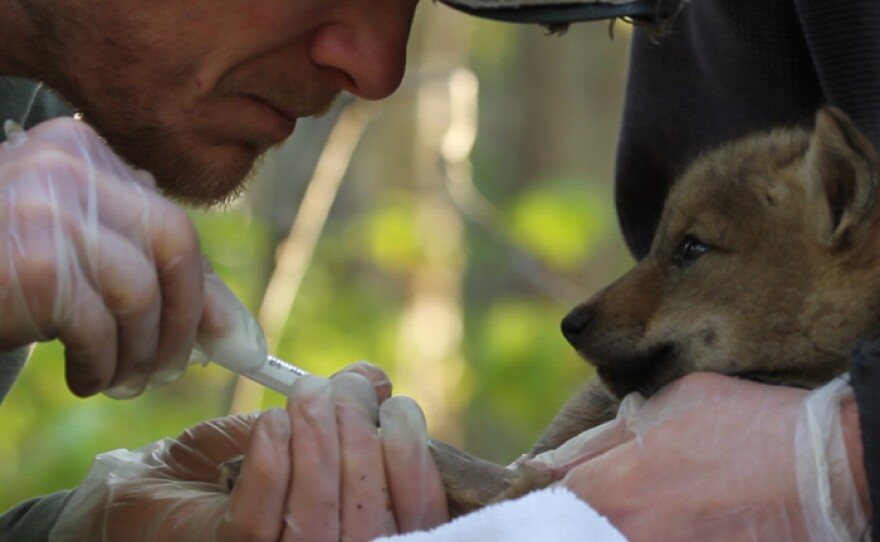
561	12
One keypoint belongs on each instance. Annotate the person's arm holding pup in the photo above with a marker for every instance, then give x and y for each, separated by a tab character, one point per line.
717	458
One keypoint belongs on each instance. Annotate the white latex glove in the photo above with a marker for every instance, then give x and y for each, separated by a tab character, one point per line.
321	471
92	254
717	458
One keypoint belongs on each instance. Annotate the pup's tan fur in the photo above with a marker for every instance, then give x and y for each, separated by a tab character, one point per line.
765	265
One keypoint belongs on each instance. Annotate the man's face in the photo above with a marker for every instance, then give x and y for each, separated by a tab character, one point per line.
195	90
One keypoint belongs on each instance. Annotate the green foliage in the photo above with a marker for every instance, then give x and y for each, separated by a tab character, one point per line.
50	437
238	246
562	222
389	235
523	371
341	316
496	46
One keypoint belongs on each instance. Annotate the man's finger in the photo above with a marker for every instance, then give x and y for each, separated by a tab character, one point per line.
90	346
257	502
417	494
130	290
373	373
182	283
312	513
366	507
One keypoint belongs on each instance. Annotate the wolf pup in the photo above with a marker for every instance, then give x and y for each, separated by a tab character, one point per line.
765	265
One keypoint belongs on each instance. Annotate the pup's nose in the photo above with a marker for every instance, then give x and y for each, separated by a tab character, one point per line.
574	323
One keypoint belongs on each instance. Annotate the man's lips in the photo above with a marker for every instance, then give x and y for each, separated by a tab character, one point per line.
280	110
273	121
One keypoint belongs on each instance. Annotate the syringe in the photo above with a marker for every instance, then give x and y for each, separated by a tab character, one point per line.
274	373
242	349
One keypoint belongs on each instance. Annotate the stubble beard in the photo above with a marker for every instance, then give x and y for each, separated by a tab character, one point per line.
128	120
186	167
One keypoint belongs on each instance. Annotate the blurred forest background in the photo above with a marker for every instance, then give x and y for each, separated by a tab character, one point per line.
442	234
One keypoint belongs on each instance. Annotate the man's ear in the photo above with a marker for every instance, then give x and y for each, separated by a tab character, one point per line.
841	177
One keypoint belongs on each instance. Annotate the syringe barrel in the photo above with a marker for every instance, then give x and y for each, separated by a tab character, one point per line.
276	374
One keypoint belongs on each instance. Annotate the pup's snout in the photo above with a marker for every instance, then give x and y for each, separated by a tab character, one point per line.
575	323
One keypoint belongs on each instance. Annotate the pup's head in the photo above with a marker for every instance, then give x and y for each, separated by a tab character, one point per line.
766	263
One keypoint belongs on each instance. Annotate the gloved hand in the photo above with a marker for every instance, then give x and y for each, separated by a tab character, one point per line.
92	254
717	458
321	471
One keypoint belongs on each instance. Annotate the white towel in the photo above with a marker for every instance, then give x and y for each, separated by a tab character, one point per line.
553	514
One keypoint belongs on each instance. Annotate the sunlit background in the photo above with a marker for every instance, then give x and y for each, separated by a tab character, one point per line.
441	234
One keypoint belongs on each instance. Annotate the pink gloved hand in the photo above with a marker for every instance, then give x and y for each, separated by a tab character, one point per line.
351	480
92	254
322	470
717	458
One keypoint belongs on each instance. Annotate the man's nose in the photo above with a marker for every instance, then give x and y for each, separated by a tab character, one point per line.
366	43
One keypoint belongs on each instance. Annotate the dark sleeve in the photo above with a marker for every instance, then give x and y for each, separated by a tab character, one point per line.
11	364
730	68
733	67
843	39
29	102
32	520
865	374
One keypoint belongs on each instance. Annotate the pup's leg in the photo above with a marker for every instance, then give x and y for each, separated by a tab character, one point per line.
471	483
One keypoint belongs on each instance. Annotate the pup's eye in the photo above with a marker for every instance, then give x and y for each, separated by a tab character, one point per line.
689	251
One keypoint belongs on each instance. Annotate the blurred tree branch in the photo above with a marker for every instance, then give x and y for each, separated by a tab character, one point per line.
294	254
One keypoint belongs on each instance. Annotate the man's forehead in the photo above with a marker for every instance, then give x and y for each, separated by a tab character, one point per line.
566	11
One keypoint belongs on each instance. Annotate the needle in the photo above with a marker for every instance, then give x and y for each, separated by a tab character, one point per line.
281	364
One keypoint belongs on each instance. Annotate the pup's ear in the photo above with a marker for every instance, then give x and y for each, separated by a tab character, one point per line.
841	176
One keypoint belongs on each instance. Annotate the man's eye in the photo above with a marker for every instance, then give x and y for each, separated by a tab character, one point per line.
689	251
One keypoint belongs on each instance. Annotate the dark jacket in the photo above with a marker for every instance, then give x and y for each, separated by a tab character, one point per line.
731	67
